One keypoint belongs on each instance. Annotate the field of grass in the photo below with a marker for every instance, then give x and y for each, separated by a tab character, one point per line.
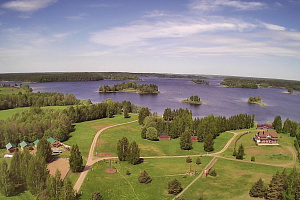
23	196
266	154
122	186
107	142
234	180
10	90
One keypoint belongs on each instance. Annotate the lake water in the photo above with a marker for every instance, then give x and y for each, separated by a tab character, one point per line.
216	99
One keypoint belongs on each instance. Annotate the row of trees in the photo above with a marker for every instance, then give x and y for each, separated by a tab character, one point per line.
288	127
38	99
128	152
141	88
282	186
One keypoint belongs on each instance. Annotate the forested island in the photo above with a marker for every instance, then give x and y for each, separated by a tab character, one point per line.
130	87
193	100
255	100
255	83
200	81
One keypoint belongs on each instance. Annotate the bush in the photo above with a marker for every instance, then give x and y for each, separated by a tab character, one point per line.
96	196
144	177
151	134
213	173
174	187
252	158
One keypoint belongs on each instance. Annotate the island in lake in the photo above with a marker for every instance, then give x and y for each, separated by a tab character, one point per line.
193	100
130	87
200	81
256	100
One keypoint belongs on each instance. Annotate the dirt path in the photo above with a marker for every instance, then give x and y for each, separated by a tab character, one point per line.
91	160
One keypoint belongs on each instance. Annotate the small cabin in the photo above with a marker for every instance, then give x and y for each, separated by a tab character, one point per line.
11	147
194	138
53	142
36	143
25	145
165	137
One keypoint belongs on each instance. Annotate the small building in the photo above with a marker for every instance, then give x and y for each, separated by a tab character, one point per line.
24	145
36	143
165	137
11	147
264	126
56	150
53	142
194	138
266	137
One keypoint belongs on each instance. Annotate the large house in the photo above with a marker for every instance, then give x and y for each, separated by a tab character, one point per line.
266	137
264	126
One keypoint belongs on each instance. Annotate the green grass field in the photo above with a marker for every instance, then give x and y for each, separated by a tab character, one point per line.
109	138
23	196
10	90
121	186
266	154
234	180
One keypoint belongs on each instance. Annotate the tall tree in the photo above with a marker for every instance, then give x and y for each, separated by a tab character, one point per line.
54	185
75	161
6	182
44	150
122	149
133	153
286	126
277	124
174	186
126	112
67	192
258	189
240	153
275	189
15	169
151	134
209	143
185	140
144	112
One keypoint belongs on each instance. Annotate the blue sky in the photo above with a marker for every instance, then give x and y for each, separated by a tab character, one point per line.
227	37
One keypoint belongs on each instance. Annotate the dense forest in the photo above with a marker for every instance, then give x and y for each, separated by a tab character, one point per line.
36	123
175	123
255	83
200	81
130	87
63	77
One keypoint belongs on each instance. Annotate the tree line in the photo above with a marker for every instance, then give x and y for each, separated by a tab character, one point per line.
141	88
180	122
64	77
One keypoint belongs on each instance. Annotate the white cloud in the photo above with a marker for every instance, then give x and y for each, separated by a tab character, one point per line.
274	27
27	5
212	5
77	17
155	13
24	17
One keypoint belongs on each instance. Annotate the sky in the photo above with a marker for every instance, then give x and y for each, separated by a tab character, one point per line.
219	37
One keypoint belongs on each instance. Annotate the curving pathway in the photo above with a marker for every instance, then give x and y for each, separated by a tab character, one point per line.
91	159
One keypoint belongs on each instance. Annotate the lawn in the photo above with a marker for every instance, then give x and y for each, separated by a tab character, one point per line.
23	196
10	90
266	154
107	142
122	186
234	180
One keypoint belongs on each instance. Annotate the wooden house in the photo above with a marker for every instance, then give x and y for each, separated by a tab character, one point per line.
53	142
264	126
24	145
165	137
11	147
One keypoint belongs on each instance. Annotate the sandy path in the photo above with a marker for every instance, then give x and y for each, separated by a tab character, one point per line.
91	160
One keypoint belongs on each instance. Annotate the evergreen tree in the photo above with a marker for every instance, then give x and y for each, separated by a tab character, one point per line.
143	177
277	124
126	112
15	169
185	140
275	189
44	150
174	187
258	189
198	161
286	126
75	160
54	185
209	143
291	185
122	149
6	182
133	153
151	134
43	195
297	192
96	196
189	160
240	153
213	172
67	192
144	112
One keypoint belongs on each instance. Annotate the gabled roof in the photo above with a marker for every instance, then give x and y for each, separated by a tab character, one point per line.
24	144
164	136
264	134
51	140
265	126
36	142
10	145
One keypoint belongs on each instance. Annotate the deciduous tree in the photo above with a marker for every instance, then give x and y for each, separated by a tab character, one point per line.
122	149
185	140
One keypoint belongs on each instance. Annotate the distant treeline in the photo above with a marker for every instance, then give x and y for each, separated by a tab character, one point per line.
169	75
62	77
36	123
10	101
199	81
175	123
139	88
256	83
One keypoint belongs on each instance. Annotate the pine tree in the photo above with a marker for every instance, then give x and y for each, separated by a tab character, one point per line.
185	140
133	153
240	153
44	150
275	189
297	192
198	161
213	172
277	124
291	184
143	177
54	185
122	149
209	143
96	196
75	160
258	189
67	192
189	160
174	187
6	182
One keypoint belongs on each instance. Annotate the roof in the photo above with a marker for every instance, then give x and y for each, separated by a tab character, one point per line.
51	140
10	145
24	144
164	136
264	134
36	142
194	137
265	126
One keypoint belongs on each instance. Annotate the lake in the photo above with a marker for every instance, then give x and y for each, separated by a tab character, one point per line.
216	99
